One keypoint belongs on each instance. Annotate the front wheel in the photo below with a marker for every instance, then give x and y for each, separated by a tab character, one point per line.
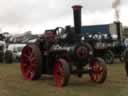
61	72
98	70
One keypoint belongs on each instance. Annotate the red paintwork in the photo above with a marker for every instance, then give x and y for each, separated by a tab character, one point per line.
28	63
58	74
82	52
96	71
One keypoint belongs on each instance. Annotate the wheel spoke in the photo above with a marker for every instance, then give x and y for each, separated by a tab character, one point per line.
59	74
97	73
25	56
93	77
28	73
61	69
33	60
100	69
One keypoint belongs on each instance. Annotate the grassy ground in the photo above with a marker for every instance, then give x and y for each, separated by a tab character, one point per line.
12	84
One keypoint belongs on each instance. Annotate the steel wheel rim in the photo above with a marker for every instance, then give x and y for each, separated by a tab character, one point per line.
96	71
28	63
59	74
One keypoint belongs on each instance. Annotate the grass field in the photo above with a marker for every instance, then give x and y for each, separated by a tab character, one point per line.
12	84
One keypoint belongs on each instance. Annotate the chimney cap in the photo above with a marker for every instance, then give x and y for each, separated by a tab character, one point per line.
76	7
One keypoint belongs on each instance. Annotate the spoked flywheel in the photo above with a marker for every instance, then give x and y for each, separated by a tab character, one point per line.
61	72
98	70
31	62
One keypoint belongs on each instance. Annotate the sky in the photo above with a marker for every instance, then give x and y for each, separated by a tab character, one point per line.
18	16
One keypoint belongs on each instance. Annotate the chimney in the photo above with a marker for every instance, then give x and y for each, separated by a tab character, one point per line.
118	28
77	18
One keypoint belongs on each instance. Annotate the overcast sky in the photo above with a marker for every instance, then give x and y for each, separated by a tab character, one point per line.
38	15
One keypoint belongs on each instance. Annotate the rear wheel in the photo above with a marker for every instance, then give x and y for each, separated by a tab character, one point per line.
31	62
108	57
61	72
98	70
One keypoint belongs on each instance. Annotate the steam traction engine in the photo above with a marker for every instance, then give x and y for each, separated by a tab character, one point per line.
62	52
